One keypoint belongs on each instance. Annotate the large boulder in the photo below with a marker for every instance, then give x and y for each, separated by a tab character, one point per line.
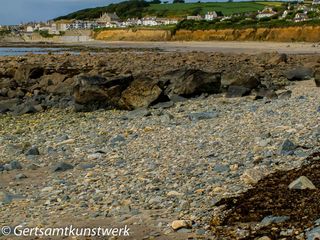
190	82
141	93
94	92
299	73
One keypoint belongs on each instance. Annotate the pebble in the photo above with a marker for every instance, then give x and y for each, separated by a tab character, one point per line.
178	224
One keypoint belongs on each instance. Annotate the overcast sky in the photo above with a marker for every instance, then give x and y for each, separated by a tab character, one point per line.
17	11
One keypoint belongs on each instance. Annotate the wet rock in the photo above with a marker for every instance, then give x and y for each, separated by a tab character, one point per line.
302	183
62	167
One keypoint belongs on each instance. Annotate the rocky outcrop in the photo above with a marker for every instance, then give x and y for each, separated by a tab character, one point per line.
133	80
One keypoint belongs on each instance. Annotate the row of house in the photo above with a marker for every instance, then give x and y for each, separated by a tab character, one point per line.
106	20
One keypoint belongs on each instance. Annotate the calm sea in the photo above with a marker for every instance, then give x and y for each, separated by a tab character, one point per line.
12	51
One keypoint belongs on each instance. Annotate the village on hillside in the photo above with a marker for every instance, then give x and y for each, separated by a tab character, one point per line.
298	12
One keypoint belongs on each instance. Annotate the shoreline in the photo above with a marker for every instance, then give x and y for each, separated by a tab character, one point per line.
248	47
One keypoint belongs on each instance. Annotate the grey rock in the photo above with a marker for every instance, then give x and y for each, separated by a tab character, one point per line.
302	183
6	198
273	219
14	165
117	139
62	167
138	113
287	147
163	105
313	234
202	116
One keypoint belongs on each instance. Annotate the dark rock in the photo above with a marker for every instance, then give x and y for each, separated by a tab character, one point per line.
287	147
62	167
299	73
33	151
237	91
95	92
190	82
141	93
202	116
317	78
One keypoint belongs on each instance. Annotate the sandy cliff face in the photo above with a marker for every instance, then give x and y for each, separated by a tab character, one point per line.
131	35
305	34
289	34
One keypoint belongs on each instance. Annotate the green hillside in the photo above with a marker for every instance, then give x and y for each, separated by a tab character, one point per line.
140	8
227	8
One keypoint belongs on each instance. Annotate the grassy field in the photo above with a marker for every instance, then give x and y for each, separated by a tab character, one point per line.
227	8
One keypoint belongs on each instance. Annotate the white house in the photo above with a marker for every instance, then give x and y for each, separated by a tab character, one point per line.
210	16
284	14
267	12
30	29
300	17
